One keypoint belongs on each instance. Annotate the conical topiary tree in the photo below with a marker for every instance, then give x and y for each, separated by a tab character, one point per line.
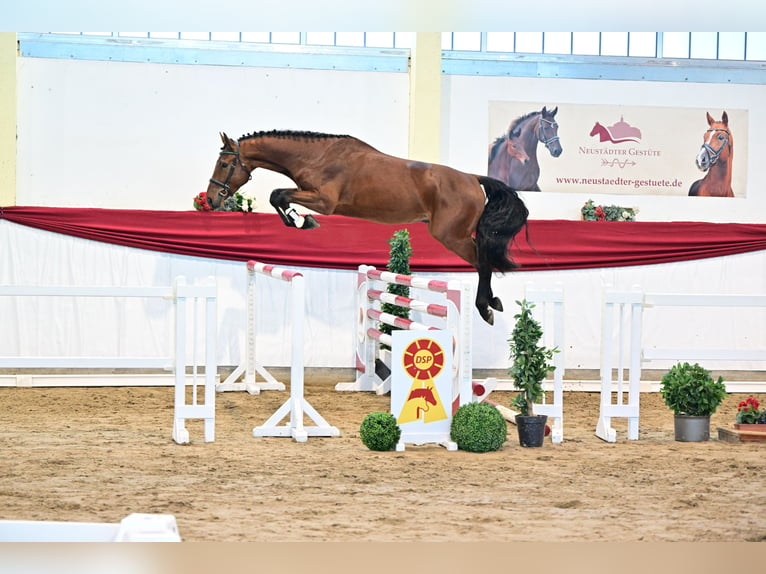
531	361
398	262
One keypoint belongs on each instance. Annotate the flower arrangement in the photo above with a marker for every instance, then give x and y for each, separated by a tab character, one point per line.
200	202
748	412
593	212
236	202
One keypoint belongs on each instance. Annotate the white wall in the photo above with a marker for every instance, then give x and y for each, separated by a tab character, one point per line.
145	136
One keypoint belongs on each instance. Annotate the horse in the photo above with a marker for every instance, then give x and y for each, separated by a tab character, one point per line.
529	130
501	152
473	216
716	157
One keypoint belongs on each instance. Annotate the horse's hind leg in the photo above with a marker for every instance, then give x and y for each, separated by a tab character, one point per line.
485	299
280	201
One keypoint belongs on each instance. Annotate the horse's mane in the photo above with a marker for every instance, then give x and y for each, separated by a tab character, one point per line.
520	120
495	147
293	134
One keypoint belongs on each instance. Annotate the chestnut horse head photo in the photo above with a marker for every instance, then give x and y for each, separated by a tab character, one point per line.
716	157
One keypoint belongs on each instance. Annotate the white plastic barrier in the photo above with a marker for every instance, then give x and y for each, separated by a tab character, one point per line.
296	405
623	311
451	314
175	360
132	528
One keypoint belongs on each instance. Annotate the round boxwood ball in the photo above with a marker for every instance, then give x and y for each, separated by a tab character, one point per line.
379	431
478	427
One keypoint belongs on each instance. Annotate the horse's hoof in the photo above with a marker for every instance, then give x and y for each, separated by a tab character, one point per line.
496	304
309	222
487	314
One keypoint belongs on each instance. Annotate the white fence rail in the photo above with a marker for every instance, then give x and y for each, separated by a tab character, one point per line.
202	353
624	347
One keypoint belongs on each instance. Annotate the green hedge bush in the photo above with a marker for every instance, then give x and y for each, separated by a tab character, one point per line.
478	427
379	431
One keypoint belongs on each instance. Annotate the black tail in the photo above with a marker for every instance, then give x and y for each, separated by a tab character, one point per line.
504	216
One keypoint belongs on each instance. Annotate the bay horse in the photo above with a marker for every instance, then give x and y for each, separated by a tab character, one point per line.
716	157
501	152
529	130
473	216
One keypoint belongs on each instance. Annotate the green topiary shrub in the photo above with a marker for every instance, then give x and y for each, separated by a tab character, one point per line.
478	427
379	431
691	390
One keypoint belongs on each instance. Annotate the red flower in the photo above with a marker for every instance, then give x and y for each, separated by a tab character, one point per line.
200	202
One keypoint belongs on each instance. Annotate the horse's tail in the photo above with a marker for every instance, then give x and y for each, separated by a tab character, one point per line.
503	217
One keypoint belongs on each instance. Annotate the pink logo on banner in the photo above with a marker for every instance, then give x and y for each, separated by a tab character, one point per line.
618	133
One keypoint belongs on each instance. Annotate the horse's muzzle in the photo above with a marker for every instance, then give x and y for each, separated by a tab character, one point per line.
703	161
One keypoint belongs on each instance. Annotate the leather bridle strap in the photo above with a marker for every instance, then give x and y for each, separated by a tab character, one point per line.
541	132
225	184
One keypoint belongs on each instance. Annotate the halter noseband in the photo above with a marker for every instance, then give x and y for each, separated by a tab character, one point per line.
713	153
541	132
225	184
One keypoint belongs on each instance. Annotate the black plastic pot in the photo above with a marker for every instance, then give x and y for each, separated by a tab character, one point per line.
531	429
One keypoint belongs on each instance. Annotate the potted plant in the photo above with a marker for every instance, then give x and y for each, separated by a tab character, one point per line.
531	363
750	413
693	395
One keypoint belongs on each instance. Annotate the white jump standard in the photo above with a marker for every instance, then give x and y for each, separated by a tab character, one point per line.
296	405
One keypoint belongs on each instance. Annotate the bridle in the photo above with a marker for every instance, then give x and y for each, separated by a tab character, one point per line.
541	131
225	185
713	153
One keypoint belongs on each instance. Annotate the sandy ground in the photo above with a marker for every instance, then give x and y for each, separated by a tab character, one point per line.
99	454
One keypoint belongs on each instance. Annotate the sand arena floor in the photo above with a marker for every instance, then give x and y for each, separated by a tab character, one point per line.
99	454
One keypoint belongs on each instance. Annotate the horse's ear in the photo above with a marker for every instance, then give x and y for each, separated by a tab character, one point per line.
553	113
227	141
725	119
710	119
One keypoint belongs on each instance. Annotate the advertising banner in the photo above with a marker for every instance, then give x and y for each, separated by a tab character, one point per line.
631	150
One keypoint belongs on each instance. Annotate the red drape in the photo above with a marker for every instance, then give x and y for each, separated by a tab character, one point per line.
344	243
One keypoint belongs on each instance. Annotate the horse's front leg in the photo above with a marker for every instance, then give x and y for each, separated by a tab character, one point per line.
280	201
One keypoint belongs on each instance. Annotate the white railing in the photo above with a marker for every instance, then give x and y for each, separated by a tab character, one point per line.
622	320
175	359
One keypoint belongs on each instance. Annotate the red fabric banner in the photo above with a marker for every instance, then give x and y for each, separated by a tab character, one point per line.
344	243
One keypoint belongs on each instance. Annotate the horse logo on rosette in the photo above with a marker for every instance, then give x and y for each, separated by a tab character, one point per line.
423	360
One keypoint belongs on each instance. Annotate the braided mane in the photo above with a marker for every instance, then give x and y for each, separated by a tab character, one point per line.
292	134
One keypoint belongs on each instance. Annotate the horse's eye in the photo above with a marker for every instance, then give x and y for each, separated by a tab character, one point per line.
721	137
224	165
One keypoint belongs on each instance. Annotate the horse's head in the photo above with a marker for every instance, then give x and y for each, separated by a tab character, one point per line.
597	127
717	143
548	131
229	175
514	146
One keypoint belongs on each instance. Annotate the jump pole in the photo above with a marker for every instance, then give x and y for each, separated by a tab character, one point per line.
451	314
296	406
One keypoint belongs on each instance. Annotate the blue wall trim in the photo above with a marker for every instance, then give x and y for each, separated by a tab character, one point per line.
122	49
